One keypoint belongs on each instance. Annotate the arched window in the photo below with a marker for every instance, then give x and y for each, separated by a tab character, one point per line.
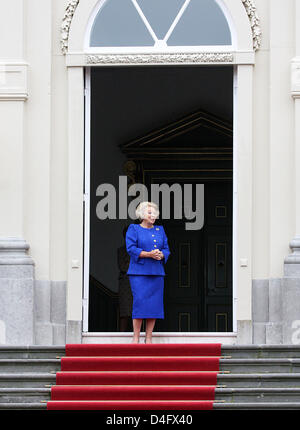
160	24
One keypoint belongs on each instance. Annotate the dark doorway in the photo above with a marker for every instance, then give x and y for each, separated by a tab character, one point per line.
173	125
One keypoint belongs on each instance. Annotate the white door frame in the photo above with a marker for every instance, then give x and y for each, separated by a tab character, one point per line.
87	194
90	337
242	57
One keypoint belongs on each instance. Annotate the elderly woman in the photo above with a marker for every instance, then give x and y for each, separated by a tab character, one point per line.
148	248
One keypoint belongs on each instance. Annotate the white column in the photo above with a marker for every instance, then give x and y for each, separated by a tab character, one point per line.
292	261
13	94
291	279
16	267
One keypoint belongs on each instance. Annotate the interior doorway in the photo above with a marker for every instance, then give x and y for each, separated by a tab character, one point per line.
164	125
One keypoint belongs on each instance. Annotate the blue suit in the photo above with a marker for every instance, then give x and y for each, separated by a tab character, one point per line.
146	275
146	239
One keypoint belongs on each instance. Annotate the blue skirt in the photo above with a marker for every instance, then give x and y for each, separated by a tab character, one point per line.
148	296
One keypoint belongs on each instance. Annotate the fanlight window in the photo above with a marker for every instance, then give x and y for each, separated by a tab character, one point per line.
160	23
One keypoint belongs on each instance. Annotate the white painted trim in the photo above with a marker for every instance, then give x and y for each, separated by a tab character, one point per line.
87	194
163	338
163	333
144	19
244	190
75	224
177	18
234	205
87	221
155	50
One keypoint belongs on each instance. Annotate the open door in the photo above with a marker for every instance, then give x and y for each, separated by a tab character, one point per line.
140	117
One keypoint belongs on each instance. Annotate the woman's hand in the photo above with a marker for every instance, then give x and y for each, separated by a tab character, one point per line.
156	254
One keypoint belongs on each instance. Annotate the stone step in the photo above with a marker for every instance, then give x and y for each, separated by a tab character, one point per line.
260	365
254	395
261	376
261	351
26	380
233	366
236	351
258	406
29	365
24	395
272	380
216	406
237	395
240	365
31	351
26	406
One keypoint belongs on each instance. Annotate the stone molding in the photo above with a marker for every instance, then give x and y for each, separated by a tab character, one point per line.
207	57
255	23
13	251
66	24
249	5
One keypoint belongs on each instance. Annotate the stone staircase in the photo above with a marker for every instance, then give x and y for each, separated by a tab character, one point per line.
253	377
259	377
27	374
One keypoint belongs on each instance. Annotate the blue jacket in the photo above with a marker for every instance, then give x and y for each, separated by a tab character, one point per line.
146	239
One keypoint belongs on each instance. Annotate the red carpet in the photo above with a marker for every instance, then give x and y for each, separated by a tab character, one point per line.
138	363
134	405
137	377
171	349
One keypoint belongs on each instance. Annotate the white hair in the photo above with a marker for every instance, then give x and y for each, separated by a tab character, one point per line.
140	210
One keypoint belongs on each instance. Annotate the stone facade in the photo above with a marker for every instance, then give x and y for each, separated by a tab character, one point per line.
41	105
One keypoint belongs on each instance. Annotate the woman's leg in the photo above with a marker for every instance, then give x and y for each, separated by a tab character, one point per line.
149	328
136	322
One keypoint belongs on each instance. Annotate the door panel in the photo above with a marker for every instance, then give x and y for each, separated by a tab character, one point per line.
198	282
